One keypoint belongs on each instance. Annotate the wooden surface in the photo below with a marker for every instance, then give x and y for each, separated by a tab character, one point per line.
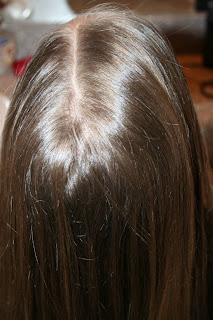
200	82
144	7
197	77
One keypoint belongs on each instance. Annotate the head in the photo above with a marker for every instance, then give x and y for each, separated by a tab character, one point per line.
102	177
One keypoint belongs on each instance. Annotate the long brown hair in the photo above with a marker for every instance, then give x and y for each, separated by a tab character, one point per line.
102	179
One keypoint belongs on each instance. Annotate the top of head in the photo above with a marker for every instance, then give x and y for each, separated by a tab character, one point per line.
103	90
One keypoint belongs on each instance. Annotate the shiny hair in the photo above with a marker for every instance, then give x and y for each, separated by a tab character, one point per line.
104	187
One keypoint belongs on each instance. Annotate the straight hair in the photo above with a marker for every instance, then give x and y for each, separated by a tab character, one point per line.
104	190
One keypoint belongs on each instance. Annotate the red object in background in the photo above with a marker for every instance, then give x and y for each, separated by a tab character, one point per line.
20	65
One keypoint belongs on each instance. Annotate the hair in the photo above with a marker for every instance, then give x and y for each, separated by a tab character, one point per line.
104	189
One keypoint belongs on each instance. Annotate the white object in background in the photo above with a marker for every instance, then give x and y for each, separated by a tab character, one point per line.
51	11
17	10
4	104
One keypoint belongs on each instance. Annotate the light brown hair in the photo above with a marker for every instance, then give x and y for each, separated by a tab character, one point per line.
103	177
